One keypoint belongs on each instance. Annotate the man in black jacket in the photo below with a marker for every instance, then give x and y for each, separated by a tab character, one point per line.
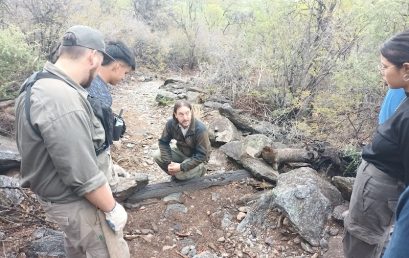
186	160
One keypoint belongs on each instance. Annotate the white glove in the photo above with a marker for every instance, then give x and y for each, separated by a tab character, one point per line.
116	218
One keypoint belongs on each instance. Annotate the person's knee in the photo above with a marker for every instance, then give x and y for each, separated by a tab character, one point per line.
193	173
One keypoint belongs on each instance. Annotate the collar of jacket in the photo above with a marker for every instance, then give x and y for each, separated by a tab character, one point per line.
50	67
190	131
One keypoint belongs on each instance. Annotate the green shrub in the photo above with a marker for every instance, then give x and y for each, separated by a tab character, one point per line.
17	60
352	159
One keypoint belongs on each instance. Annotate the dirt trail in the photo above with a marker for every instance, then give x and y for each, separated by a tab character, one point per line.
144	121
192	222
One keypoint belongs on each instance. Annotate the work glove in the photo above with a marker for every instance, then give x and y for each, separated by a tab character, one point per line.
116	218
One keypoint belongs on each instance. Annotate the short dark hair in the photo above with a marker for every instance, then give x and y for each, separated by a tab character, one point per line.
179	104
73	52
119	51
396	49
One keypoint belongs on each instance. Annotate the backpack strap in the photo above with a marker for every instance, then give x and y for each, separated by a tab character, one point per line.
27	88
95	104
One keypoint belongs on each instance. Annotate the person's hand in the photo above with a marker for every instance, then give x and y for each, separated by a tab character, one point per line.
116	218
173	168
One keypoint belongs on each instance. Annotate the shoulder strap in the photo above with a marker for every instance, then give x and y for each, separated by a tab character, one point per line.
27	88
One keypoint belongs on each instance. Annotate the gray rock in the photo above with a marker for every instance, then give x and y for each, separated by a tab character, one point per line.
193	97
233	149
251	145
247	123
128	186
173	198
344	185
165	97
324	243
304	188
259	168
9	158
338	212
2	236
175	208
189	250
301	176
269	129
213	104
222	131
10	196
226	221
48	243
218	161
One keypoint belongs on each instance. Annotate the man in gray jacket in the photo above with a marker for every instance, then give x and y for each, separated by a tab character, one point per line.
60	140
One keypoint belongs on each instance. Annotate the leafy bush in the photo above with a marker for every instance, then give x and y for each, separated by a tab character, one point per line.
17	61
352	158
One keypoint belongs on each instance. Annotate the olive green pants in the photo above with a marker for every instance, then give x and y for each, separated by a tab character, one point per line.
179	157
80	222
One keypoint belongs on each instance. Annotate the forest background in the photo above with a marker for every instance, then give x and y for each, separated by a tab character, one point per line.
308	66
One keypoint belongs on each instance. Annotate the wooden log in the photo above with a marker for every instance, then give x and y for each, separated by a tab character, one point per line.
163	189
275	157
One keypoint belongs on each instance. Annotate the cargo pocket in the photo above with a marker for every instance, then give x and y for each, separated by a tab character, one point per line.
356	205
376	208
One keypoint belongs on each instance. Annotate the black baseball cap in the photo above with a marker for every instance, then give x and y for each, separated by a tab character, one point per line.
86	37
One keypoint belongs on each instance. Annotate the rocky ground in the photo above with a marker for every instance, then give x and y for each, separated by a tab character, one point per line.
201	223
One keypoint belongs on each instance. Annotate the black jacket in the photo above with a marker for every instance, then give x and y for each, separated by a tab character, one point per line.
389	150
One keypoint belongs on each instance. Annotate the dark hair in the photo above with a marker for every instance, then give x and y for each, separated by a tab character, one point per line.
119	51
73	52
179	104
396	49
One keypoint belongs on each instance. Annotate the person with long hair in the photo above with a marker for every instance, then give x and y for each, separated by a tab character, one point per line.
186	160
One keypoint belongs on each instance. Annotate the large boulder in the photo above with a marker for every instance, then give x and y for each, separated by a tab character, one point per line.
307	200
251	145
222	131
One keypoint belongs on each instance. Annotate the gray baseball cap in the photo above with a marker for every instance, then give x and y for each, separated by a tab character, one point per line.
86	37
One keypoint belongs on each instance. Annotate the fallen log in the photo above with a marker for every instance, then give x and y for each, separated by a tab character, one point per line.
163	189
275	157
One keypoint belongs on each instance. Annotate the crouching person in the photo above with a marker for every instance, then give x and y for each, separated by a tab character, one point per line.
186	160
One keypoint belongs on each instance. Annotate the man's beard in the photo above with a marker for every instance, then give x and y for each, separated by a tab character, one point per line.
91	77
